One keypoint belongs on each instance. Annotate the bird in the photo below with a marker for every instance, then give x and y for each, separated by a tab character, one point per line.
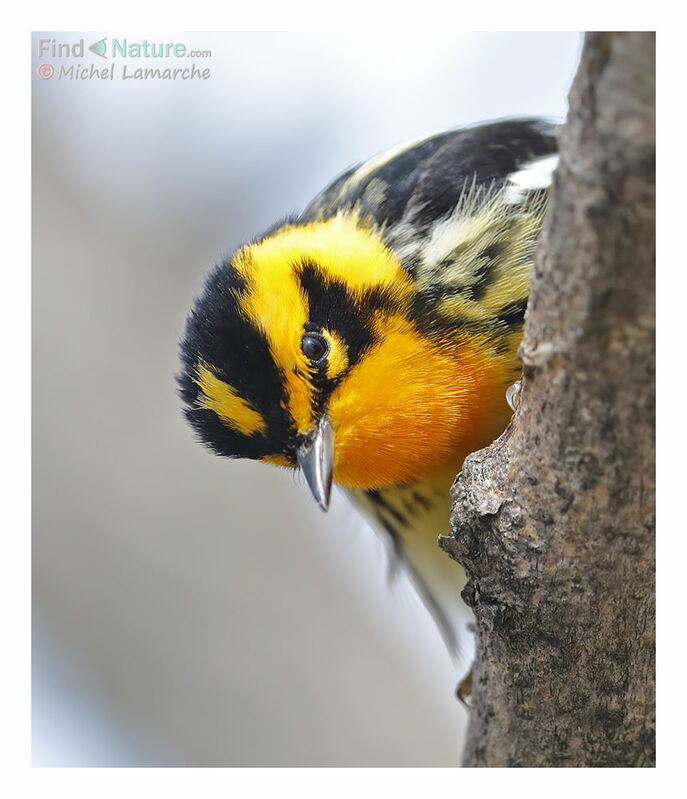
369	341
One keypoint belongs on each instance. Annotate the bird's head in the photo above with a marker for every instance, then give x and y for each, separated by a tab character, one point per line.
303	350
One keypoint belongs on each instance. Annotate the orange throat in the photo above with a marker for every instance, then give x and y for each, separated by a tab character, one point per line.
413	408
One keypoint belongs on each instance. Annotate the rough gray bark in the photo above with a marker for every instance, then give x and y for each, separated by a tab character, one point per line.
554	522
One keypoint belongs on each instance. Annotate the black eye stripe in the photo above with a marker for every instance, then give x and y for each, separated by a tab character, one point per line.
332	307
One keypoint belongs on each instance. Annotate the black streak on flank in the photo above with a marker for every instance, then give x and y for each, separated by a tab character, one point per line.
378	500
379	503
422	501
218	335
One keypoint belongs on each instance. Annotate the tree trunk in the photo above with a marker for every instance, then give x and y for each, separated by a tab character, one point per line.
554	522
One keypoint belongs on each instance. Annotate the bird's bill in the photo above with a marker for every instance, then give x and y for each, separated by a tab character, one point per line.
316	459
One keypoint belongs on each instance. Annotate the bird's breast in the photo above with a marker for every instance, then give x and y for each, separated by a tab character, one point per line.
413	407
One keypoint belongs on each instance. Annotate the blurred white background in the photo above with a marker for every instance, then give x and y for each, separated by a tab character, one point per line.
189	610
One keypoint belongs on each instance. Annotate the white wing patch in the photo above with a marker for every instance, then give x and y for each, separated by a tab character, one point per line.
534	175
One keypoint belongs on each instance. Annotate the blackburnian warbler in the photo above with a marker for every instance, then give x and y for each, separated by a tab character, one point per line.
370	340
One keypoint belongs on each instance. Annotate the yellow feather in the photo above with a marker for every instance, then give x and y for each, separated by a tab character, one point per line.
221	398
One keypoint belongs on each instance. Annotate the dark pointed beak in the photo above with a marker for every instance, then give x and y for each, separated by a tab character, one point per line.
316	459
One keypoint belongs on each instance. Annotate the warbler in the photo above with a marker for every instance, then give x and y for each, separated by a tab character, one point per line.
370	339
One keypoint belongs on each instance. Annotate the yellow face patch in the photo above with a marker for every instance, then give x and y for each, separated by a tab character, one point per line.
235	411
346	249
277	460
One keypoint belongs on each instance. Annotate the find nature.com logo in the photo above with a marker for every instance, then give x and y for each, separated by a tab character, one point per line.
116	51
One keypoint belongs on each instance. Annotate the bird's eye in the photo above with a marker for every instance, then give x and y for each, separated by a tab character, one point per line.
314	346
